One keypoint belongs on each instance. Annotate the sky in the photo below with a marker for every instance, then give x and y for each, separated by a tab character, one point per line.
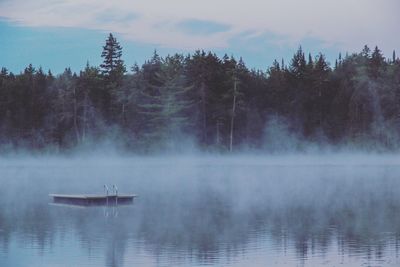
55	34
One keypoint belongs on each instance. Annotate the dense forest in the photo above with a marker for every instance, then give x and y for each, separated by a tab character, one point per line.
212	103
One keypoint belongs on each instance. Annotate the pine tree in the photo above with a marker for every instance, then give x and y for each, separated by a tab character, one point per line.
298	66
65	107
129	98
235	93
113	70
165	104
299	85
310	63
366	51
113	67
88	83
376	63
204	72
320	86
236	73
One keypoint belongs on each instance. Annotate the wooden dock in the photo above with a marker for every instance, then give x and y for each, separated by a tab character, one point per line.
93	200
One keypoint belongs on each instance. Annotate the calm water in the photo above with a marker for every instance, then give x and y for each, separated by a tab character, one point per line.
195	212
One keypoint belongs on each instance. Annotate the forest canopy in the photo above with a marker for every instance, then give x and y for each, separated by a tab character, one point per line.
214	103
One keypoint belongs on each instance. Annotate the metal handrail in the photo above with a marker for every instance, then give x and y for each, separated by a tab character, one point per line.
115	189
114	192
106	190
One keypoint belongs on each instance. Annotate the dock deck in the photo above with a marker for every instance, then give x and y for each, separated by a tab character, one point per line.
92	200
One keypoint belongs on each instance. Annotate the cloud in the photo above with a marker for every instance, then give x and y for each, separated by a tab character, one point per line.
202	27
348	24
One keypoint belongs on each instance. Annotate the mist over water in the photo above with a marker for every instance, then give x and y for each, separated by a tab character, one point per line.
313	210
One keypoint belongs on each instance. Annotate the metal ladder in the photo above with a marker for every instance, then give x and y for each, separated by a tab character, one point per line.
113	193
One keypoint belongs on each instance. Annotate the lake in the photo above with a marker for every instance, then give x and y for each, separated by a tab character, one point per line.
196	211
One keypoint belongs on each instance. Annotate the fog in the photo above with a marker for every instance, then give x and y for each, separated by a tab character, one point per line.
219	210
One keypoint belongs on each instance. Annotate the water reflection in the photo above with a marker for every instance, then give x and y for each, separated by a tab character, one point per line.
259	213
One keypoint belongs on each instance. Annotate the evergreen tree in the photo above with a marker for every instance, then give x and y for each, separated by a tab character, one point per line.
299	81
366	52
277	95
376	64
165	105
89	103
113	70
197	73
66	105
204	72
321	94
129	97
113	67
298	66
234	96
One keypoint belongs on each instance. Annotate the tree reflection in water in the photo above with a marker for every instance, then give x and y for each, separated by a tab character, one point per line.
217	220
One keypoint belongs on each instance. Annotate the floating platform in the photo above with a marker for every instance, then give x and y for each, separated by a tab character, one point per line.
93	200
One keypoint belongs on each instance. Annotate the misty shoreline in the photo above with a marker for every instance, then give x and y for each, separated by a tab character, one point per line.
188	159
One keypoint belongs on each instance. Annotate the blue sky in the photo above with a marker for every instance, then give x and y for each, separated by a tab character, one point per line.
68	33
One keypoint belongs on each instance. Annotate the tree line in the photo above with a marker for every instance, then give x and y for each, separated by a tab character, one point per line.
216	103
